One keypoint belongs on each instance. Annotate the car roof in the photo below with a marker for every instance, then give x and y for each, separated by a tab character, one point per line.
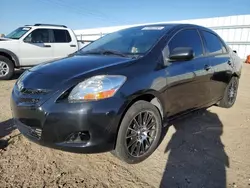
172	26
176	26
50	26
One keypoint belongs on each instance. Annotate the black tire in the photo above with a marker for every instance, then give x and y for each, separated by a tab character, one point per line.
230	93
148	138
10	67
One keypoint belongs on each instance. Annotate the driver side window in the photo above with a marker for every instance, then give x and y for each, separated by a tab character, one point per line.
187	38
38	36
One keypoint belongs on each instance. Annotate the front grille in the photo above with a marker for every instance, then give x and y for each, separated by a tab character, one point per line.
34	91
36	132
31	96
29	100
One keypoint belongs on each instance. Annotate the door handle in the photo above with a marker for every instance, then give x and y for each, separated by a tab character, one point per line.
46	45
207	67
72	45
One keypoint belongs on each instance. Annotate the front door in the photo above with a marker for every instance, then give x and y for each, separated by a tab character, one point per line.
36	48
187	81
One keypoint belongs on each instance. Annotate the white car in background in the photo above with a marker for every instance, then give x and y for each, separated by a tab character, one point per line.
34	44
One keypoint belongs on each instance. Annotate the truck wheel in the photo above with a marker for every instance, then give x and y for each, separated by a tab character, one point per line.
6	68
230	93
139	133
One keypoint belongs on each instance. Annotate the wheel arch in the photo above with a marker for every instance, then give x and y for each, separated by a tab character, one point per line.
151	97
11	56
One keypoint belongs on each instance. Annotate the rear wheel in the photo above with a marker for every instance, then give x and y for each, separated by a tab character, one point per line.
139	133
230	94
6	68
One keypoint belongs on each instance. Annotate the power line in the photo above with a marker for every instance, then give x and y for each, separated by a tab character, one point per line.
95	12
81	11
119	21
87	9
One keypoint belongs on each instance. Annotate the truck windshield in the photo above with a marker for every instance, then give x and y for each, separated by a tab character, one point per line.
131	41
18	33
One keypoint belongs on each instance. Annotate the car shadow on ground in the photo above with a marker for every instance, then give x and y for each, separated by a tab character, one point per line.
196	153
6	129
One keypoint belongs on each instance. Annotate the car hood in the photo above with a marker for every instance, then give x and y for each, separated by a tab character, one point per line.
8	43
5	39
47	75
77	65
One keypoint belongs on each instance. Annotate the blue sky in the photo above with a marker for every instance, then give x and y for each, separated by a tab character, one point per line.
80	14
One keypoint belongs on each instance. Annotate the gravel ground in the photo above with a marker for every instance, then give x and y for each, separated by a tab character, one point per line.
206	149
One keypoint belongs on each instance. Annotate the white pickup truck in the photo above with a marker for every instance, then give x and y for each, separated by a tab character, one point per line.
34	44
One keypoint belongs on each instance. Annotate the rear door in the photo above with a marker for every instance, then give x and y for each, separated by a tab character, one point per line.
63	43
36	47
220	61
187	80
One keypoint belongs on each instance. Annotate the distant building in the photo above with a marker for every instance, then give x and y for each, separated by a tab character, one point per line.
235	30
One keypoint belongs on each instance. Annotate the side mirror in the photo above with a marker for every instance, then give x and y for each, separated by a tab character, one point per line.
181	54
235	51
27	40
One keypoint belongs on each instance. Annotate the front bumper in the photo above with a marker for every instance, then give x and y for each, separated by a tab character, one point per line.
51	123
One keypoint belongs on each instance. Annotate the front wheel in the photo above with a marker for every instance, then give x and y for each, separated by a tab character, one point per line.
139	133
230	94
6	68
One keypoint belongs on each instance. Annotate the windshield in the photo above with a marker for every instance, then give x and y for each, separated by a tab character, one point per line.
18	33
128	41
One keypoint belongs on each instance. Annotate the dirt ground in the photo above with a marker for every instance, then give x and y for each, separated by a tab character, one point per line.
205	149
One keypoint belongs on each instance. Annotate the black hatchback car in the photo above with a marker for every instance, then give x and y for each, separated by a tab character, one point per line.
116	93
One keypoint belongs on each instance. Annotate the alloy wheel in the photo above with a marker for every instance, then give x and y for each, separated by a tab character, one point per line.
232	91
141	133
4	69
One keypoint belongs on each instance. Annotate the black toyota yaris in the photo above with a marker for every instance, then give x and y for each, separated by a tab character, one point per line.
116	93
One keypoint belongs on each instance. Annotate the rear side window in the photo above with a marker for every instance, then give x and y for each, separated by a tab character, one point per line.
213	43
187	38
61	36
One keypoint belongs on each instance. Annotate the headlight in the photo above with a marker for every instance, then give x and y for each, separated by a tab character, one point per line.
97	87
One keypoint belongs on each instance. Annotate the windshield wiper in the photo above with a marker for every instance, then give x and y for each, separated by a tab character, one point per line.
105	52
90	52
113	52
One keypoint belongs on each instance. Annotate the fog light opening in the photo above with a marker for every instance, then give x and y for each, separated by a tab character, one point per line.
78	137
